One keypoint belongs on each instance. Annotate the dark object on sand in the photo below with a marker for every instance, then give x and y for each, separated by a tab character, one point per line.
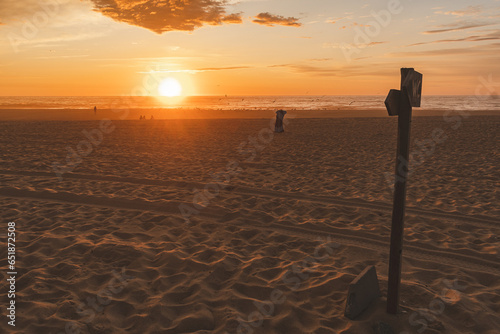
399	103
362	292
278	126
95	110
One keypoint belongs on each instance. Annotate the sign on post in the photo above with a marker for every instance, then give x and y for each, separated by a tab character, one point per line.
400	103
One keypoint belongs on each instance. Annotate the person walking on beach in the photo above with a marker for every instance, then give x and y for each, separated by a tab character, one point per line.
278	126
95	110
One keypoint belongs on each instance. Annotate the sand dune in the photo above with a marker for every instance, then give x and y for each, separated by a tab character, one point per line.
104	248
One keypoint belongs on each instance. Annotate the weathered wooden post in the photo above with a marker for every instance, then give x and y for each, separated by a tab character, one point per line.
400	103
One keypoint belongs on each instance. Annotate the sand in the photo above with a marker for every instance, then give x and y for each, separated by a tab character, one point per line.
282	223
183	113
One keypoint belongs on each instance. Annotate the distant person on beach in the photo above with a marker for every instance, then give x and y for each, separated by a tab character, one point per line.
95	110
278	126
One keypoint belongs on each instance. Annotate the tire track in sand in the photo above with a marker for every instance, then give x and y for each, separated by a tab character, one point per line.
476	220
358	238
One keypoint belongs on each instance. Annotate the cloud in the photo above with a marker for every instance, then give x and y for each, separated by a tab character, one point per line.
36	11
164	16
206	69
59	40
354	24
320	59
489	37
336	19
490	50
222	68
232	18
351	45
308	69
469	11
341	71
270	20
12	9
61	57
456	27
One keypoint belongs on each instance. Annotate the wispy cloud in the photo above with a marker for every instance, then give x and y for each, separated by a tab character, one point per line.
351	46
336	19
61	57
320	59
340	71
469	11
354	24
302	68
47	13
222	68
458	26
477	38
482	50
270	20
59	40
205	69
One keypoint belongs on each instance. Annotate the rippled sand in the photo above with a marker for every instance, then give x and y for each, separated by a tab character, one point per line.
282	224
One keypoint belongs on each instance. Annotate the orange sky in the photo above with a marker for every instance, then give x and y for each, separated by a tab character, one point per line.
293	47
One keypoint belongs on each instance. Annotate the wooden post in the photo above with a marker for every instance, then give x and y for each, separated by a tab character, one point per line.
400	103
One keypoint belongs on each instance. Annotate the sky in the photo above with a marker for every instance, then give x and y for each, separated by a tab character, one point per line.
248	47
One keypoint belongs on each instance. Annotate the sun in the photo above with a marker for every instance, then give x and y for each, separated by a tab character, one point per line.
170	87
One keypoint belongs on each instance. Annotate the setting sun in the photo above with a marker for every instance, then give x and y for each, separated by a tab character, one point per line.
170	87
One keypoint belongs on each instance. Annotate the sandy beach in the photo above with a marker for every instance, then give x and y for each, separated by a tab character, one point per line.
207	222
230	167
201	113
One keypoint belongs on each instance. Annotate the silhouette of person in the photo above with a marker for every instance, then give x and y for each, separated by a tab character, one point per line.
278	126
95	110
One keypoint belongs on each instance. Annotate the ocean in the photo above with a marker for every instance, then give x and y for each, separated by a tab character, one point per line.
308	102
